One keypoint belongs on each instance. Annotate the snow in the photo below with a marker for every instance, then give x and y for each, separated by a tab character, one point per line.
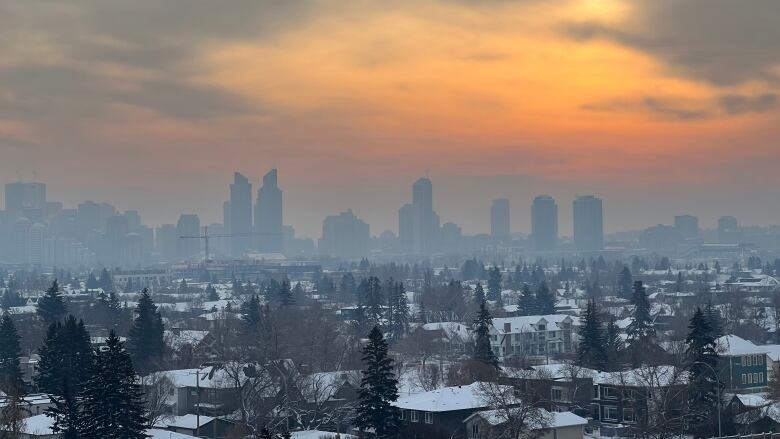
772	351
316	434
155	433
732	345
566	419
529	323
555	420
445	399
452	329
40	425
190	422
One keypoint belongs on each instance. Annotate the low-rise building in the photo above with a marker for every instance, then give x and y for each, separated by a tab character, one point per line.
534	336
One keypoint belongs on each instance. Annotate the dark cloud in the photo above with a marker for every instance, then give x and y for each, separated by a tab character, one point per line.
724	42
659	107
739	104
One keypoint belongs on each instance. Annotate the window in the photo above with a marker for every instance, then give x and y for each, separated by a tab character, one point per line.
610	413
557	394
744	379
475	430
414	416
608	393
761	377
428	418
628	415
401	414
755	377
750	378
542	327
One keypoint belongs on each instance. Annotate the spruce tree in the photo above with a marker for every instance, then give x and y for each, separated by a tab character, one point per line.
10	351
494	284
614	345
113	404
479	294
251	316
527	305
702	359
145	339
371	290
51	306
482	350
399	311
591	351
378	389
286	297
211	293
545	299
641	333
714	319
625	283
106	282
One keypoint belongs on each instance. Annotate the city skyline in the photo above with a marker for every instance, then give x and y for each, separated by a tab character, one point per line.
586	96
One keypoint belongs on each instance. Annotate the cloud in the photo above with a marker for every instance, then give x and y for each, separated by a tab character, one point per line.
664	108
740	104
723	42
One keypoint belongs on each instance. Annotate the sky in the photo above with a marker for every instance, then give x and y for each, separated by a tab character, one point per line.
660	107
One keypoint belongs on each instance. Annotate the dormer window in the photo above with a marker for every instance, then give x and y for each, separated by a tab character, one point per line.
542	327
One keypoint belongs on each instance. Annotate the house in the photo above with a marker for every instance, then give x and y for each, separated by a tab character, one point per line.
197	426
34	403
451	336
558	425
743	365
754	413
534	336
204	388
752	283
440	413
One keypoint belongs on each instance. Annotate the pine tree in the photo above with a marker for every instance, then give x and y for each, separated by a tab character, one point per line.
544	299
66	364
145	339
51	307
91	282
286	297
591	351
106	282
378	389
399	311
494	285
251	316
211	293
482	350
641	333
703	359
714	319
479	294
371	292
614	345
527	305
11	298
10	351
113	405
625	283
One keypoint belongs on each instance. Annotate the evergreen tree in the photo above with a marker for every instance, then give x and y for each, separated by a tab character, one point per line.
286	297
591	351
211	293
641	333
714	319
10	351
479	294
51	307
378	389
625	283
66	364
145	339
106	282
251	316
494	285
371	292
399	310
702	359
614	345
527	305
183	287
545	299
92	282
113	404
482	350
11	298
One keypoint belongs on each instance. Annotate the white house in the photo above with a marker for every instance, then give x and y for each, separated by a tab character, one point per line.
533	335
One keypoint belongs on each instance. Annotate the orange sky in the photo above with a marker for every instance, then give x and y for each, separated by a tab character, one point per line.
351	99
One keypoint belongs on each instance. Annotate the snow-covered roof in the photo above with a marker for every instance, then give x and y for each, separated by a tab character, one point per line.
753	400
732	345
445	399
190	422
553	420
452	329
317	434
651	376
527	323
156	433
772	351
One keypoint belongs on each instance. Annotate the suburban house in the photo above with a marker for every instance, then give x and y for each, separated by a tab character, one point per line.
451	336
440	413
534	336
754	413
198	426
743	365
751	283
564	425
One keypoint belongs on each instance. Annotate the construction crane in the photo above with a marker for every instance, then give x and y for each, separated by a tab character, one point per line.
206	237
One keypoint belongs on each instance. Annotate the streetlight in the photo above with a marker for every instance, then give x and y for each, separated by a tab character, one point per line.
717	379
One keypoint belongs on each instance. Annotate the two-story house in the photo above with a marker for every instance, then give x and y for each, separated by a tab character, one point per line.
743	365
534	336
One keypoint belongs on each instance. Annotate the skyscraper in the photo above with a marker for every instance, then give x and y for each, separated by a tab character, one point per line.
544	223
345	236
418	223
499	219
20	196
588	223
268	215
188	225
240	215
686	227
